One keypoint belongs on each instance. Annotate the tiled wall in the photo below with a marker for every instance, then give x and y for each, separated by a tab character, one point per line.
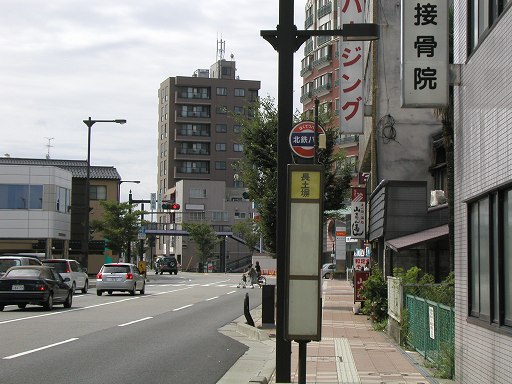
483	160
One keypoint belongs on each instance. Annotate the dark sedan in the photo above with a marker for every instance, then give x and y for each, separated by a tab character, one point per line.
37	285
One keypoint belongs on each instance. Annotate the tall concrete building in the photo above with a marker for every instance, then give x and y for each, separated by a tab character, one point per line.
198	138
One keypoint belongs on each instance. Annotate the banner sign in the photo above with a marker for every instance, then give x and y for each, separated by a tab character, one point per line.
358	218
351	71
425	66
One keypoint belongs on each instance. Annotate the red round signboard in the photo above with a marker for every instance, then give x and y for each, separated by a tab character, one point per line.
302	139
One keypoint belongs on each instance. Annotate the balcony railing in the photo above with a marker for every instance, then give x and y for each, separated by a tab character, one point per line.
308	22
324	10
323	39
307	70
321	61
322	89
308	48
306	97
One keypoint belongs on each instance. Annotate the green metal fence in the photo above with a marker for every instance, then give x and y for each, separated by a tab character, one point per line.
431	328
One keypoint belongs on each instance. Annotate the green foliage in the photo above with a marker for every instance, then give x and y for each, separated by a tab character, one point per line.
375	292
119	224
249	231
258	168
424	285
204	236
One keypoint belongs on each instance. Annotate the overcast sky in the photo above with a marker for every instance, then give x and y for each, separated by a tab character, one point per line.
62	61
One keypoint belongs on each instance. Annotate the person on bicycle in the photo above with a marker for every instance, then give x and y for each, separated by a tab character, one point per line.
253	275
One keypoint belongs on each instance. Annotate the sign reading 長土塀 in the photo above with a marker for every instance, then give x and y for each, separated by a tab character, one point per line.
425	67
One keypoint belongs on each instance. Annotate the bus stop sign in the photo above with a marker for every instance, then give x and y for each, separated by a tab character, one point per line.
302	139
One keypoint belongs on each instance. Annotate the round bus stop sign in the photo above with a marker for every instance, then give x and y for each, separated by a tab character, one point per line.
302	139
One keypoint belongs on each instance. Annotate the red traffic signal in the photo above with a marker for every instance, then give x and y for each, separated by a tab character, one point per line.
169	205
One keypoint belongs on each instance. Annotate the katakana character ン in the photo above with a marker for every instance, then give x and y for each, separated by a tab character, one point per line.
355	107
347	3
347	52
351	88
425	44
425	77
425	14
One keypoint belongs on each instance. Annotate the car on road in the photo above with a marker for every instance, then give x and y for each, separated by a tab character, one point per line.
78	278
121	277
328	270
166	264
36	285
9	261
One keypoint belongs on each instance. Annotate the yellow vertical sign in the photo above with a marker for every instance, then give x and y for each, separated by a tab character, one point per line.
305	185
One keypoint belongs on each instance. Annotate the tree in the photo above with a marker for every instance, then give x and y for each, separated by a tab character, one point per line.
204	236
258	168
120	224
249	232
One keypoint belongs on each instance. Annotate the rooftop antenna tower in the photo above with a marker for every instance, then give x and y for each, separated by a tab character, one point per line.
221	49
49	145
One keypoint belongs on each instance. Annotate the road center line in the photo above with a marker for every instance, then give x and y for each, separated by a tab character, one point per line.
180	308
230	292
212	298
40	349
135	321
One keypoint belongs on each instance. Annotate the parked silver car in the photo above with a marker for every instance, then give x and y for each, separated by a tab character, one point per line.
78	278
327	270
123	277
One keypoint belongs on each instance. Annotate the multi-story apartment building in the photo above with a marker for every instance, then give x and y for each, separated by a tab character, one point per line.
483	192
198	138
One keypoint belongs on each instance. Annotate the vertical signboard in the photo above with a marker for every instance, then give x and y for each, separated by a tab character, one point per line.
351	71
303	304
358	222
341	244
425	67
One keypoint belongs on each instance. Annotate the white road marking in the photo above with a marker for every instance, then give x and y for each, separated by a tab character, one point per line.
40	349
230	292
212	298
180	308
90	306
135	321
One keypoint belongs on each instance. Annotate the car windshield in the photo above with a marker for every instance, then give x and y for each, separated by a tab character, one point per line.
5	264
25	272
116	269
60	266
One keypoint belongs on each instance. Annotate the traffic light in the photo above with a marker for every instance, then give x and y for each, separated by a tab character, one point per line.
170	205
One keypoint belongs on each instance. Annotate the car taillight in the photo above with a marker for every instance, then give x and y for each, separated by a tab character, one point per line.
99	276
68	270
40	287
129	276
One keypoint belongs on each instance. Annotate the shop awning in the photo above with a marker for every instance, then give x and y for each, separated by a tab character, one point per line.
417	238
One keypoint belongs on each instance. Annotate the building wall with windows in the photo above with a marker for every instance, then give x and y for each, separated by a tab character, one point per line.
34	203
483	192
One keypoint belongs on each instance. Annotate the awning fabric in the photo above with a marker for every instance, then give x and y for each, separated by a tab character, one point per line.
417	238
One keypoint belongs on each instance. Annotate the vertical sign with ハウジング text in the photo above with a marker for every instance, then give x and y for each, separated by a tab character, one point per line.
425	67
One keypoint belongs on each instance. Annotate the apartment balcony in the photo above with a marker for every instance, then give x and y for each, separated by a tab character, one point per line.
321	62
308	48
322	90
190	153
306	97
324	10
306	71
320	40
308	22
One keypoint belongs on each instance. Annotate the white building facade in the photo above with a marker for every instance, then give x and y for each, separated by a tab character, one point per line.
483	192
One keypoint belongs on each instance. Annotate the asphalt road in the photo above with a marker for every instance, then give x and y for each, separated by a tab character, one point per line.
168	335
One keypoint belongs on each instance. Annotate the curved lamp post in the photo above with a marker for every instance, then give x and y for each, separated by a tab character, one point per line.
85	243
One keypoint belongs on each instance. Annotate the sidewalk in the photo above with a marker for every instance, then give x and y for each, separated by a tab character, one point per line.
350	350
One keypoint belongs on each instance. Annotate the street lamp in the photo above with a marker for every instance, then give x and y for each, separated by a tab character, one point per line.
85	245
119	189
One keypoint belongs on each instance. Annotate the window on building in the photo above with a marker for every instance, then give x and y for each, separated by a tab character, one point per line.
482	15
19	196
241	215
63	199
221	110
220	147
222	91
194	111
490	258
98	192
202	167
197	193
253	95
219	216
239	92
221	128
194	92
220	165
238	110
194	130
238	147
237	128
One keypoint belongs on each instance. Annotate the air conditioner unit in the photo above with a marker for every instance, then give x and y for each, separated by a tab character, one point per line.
437	197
